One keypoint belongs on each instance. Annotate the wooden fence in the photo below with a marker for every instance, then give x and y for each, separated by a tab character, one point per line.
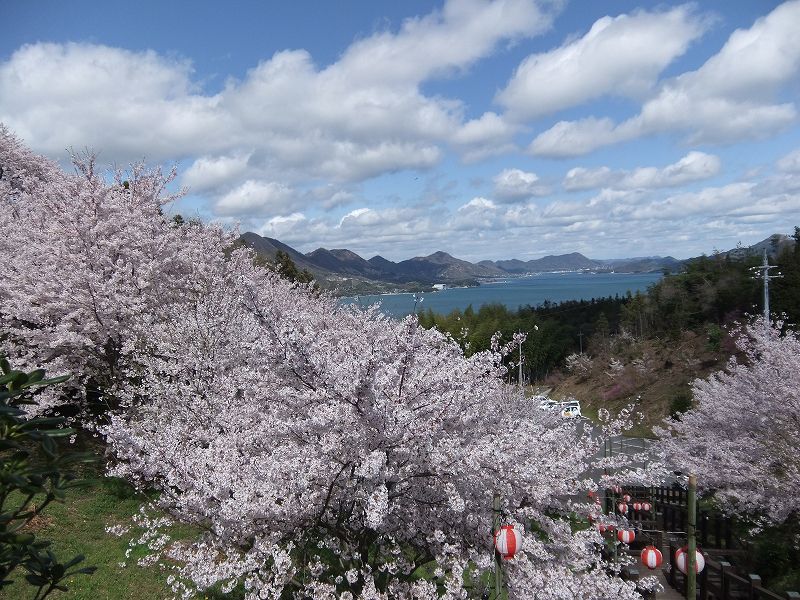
669	514
715	533
718	581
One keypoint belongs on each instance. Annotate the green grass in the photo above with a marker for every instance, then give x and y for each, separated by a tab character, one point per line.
77	526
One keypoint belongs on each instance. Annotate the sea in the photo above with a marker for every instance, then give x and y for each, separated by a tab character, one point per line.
513	292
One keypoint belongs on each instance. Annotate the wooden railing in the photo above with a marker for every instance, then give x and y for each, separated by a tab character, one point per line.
718	581
669	503
668	519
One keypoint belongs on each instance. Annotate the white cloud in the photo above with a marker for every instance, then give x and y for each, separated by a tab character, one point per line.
479	214
573	138
488	135
695	166
791	162
463	32
357	118
477	203
126	105
733	96
582	178
709	202
281	227
362	216
612	223
334	198
256	198
512	185
621	56
210	172
282	147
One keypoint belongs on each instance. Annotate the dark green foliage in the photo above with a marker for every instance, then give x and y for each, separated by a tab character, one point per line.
707	296
681	402
34	471
773	554
560	326
119	488
714	333
713	289
785	292
286	268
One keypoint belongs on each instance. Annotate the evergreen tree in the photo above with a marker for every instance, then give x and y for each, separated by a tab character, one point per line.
785	292
286	268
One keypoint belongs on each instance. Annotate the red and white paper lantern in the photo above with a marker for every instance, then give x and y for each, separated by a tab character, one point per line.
603	527
682	558
622	508
637	506
507	541
651	557
646	506
626	498
626	536
616	489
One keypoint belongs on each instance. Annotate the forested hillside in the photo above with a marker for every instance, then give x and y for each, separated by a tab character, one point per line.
649	346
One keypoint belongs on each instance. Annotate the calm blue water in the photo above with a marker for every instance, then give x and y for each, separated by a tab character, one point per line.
533	289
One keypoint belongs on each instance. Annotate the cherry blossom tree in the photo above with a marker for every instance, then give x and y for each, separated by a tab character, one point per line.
86	258
331	452
741	436
323	451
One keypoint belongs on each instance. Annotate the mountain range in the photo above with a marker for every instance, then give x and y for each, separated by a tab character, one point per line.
440	267
335	267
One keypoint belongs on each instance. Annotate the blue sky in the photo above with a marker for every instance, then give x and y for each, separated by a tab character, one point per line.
488	129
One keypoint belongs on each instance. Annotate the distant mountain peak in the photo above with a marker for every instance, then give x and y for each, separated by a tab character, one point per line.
442	267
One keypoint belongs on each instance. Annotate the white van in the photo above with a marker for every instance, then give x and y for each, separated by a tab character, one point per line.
571	409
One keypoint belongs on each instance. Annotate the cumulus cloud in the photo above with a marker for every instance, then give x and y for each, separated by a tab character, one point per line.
256	198
211	172
582	178
695	166
479	214
732	96
619	55
512	185
357	118
488	135
709	202
574	138
282	226
611	223
124	104
791	162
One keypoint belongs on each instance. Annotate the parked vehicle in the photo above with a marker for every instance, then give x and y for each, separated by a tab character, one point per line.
546	403
568	408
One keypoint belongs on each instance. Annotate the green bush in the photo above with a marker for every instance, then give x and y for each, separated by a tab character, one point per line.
34	472
681	402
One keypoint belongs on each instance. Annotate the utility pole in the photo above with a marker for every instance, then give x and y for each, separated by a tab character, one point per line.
521	387
498	573
580	339
691	525
764	268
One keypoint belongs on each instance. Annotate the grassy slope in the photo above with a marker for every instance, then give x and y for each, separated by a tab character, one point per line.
667	369
78	527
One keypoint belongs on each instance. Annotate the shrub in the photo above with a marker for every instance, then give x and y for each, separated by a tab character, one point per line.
34	472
